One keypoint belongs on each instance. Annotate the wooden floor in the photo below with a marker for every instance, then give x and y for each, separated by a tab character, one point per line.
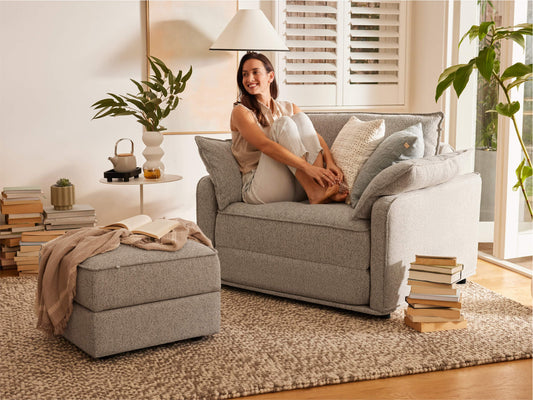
500	381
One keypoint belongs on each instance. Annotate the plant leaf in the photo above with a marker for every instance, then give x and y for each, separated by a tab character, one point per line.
516	71
508	110
485	62
484	29
462	75
472	34
154	67
443	85
523	172
518	38
139	86
151	85
519	81
187	75
118	99
165	69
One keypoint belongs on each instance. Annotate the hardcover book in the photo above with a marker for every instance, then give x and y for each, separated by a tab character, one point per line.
144	225
435	260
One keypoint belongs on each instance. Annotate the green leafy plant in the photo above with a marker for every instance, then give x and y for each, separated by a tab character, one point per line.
489	68
152	103
63	182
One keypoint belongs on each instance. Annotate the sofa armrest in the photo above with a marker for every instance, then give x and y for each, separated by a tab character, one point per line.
206	207
437	220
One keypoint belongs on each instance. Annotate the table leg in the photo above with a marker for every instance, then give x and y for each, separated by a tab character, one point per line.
142	198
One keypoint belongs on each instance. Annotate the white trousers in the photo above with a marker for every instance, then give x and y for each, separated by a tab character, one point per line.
273	181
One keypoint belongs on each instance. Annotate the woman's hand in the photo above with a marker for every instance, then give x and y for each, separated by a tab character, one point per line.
324	177
339	176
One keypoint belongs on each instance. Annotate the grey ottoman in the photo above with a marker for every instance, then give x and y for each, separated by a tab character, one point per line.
130	298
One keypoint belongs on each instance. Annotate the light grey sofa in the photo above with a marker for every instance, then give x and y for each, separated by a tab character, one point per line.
334	254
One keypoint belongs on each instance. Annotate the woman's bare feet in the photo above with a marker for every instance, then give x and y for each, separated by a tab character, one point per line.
339	197
323	195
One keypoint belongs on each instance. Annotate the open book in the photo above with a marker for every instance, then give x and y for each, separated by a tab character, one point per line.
144	225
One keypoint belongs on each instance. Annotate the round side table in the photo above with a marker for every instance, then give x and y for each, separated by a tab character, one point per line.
141	181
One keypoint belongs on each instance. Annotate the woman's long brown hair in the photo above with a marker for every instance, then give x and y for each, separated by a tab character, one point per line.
246	98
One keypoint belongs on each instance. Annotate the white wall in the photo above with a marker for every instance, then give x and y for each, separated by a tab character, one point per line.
57	59
60	57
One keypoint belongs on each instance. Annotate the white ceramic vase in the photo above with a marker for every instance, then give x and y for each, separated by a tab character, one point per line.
153	168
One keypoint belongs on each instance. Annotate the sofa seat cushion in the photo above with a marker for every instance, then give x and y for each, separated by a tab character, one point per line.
130	276
320	233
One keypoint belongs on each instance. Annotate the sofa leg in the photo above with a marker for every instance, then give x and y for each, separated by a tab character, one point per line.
386	316
462	281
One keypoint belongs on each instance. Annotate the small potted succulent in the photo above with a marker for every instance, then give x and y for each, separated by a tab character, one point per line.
62	194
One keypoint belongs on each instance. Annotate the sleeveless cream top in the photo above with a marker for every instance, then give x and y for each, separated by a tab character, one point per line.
247	156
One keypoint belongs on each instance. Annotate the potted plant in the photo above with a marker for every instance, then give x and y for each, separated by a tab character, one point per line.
507	78
153	103
62	194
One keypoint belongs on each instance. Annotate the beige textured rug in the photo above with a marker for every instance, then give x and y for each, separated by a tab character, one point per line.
266	344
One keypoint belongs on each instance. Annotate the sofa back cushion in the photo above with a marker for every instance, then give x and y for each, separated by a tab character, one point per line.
222	168
412	175
329	124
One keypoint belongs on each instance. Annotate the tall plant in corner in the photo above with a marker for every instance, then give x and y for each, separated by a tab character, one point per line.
508	78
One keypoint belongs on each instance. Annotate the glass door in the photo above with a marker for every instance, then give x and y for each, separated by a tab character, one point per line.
513	228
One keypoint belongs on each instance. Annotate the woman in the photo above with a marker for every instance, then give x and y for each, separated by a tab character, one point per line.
275	143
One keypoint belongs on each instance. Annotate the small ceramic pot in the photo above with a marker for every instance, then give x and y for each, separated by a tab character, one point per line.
62	197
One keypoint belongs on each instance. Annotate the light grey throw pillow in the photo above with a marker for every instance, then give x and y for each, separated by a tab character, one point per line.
413	175
222	168
403	145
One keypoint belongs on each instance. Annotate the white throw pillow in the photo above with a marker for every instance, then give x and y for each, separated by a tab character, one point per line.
356	141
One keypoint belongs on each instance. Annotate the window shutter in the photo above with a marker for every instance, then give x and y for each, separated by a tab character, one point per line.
343	53
310	71
376	53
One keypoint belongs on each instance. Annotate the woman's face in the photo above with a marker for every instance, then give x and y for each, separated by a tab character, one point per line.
255	78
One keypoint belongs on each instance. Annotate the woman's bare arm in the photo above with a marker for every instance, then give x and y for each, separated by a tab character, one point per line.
244	121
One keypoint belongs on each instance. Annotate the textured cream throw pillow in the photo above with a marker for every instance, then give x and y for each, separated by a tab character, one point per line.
354	144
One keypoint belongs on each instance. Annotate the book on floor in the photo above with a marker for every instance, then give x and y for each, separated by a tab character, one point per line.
430	318
38	237
144	225
35	218
28	248
435	277
440	269
22	192
10	242
449	313
435	260
436	303
420	289
436	297
30	206
434	326
77	210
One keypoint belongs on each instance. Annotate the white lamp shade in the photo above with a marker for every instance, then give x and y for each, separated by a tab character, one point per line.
249	30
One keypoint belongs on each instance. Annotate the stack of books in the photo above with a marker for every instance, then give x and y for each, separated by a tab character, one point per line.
80	216
435	298
27	258
21	208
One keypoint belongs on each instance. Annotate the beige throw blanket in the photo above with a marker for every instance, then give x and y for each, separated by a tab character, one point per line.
56	285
